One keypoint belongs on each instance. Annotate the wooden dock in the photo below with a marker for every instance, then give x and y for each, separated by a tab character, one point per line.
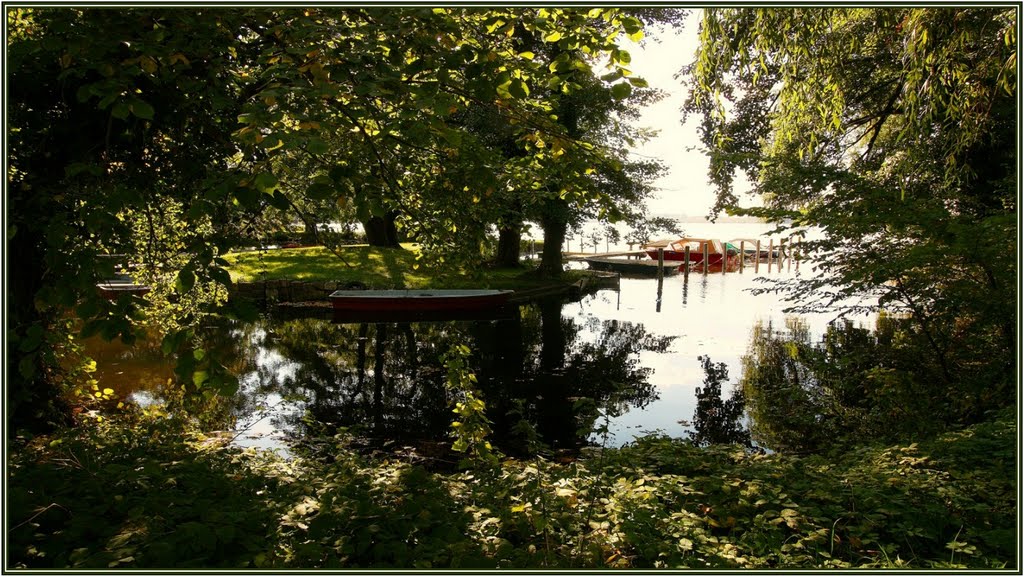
579	256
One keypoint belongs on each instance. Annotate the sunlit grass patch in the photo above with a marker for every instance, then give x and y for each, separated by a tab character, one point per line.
376	268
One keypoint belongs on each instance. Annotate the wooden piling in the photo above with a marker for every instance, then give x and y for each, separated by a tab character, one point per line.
743	254
705	257
686	263
757	256
771	246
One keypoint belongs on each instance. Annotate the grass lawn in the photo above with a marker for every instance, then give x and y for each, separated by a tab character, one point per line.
376	267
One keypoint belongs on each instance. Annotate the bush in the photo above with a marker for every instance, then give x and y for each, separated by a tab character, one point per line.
152	494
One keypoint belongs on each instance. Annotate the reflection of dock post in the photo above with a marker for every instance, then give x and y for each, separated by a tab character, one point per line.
686	263
782	252
661	276
789	256
743	255
705	257
757	256
771	247
799	243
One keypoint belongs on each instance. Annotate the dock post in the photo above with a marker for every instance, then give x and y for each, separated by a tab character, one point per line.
757	255
686	263
725	257
743	254
705	257
771	246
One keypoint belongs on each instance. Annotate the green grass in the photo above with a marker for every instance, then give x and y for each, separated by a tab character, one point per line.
376	268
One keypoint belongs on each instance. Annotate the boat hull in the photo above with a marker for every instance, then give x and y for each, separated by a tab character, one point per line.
630	267
391	302
695	257
111	290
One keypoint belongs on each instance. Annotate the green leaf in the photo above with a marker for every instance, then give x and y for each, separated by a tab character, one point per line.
266	182
612	76
27	366
199	377
639	82
317	146
33	337
553	37
185	281
141	109
84	93
221	275
519	89
120	111
248	197
320	191
621	90
340	172
279	200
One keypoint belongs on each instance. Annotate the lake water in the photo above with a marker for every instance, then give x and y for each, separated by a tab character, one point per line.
547	370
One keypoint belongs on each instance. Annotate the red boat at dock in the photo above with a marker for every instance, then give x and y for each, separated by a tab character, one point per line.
675	251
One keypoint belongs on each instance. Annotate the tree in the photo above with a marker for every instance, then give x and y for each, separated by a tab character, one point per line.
642	230
717	420
120	112
611	235
893	131
108	112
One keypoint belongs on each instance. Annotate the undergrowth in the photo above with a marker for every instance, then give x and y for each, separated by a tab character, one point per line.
153	494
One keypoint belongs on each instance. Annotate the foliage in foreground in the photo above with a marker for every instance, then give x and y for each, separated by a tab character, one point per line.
153	495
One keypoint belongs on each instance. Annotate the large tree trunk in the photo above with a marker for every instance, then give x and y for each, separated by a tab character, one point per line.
34	402
381	231
508	247
554	223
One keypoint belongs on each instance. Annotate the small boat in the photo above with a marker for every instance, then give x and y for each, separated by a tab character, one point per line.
114	287
750	248
676	250
629	267
403	301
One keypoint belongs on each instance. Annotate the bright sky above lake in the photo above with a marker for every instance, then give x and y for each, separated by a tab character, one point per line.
685	189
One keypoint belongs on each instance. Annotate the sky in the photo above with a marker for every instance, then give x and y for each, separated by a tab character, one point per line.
685	189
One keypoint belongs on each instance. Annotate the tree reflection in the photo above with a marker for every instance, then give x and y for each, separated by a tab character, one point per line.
387	380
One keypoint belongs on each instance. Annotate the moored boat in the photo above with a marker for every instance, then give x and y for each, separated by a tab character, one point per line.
114	287
676	250
750	249
630	267
401	301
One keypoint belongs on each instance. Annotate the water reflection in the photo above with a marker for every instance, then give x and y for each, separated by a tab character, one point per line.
548	371
547	379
